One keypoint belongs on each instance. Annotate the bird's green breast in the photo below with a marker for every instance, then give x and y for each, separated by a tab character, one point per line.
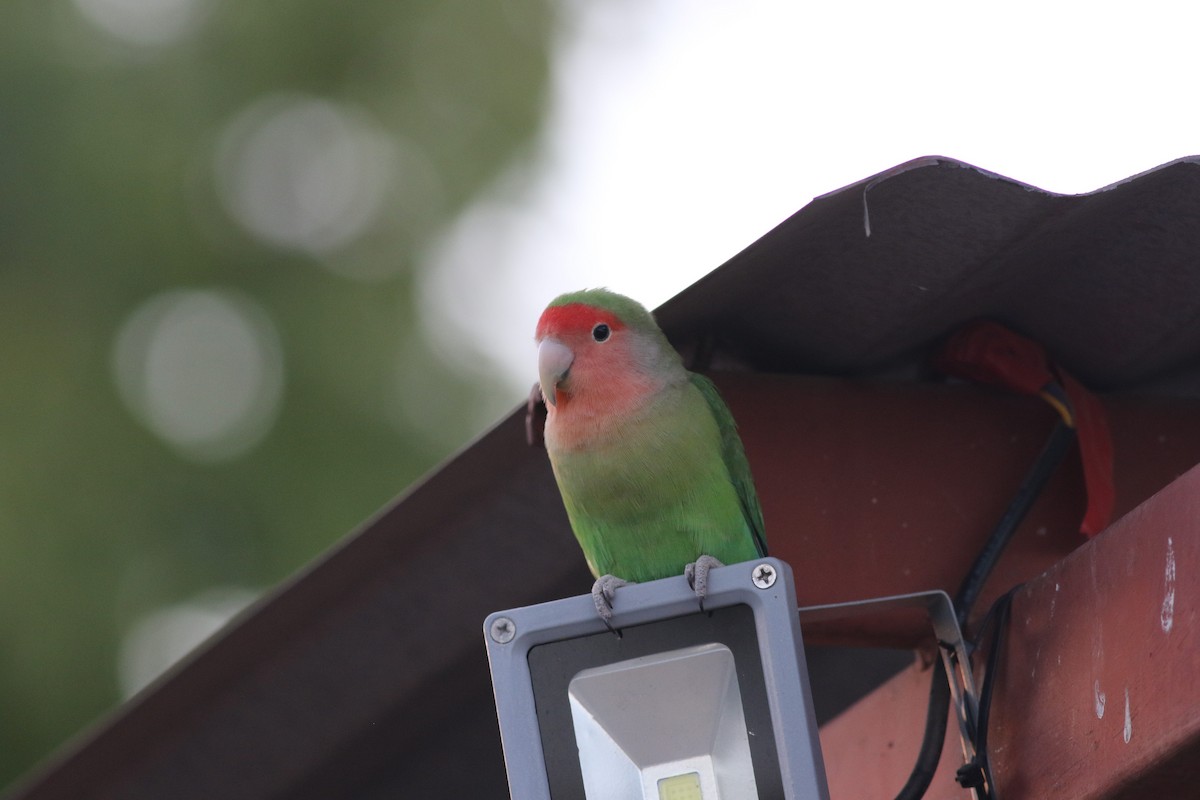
654	493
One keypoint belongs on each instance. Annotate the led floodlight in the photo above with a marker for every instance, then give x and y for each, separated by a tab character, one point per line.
681	705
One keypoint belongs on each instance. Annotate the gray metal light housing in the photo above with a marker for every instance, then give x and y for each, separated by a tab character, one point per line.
684	705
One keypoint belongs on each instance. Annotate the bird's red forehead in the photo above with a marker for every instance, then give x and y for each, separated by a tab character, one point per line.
573	318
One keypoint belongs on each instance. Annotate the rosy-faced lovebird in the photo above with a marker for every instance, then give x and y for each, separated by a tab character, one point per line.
646	454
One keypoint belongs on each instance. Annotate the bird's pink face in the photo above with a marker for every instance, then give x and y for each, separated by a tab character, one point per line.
582	356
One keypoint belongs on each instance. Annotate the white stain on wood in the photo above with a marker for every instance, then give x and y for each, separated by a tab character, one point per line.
1167	616
1100	701
1127	733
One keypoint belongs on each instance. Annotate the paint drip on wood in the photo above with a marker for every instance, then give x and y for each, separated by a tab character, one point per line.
1167	616
1127	732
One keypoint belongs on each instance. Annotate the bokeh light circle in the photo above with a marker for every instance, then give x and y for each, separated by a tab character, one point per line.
159	639
302	173
202	369
147	23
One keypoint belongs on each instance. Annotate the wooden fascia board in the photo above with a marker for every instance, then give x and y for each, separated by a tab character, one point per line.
1100	688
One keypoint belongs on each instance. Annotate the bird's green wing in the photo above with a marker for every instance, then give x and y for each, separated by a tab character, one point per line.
734	457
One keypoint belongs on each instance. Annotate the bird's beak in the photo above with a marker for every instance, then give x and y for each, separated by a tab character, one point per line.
554	362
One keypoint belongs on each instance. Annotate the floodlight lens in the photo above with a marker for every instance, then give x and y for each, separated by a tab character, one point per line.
663	717
680	787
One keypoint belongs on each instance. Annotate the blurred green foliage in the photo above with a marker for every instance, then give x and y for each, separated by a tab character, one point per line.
109	197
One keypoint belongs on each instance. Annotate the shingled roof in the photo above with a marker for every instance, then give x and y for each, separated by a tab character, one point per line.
365	676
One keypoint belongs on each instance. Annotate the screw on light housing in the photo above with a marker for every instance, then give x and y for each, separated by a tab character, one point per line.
764	576
503	630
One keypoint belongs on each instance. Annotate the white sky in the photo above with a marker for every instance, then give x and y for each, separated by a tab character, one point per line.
679	131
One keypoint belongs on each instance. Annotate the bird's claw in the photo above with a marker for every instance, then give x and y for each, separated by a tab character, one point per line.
697	575
604	592
535	417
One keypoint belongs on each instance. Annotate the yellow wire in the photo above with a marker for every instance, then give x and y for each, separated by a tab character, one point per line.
1062	408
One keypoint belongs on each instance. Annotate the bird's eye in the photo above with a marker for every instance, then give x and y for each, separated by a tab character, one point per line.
601	332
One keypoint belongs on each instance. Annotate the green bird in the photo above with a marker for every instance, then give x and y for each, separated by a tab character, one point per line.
645	453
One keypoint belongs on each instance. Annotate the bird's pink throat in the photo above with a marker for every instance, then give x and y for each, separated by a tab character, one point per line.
604	403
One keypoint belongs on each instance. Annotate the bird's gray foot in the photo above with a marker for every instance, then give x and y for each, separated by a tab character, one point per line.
604	592
697	575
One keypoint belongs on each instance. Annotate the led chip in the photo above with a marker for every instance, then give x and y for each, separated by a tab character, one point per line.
680	787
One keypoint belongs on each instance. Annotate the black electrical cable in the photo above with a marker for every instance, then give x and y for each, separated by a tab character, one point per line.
938	712
935	734
1052	454
1002	609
